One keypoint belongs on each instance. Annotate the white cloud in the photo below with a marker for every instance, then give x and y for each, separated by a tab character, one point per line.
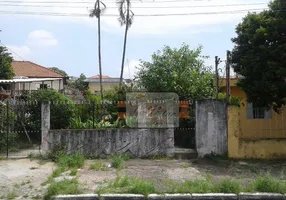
41	38
19	52
151	24
130	68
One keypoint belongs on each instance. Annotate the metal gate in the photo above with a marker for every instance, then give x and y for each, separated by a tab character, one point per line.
20	128
186	132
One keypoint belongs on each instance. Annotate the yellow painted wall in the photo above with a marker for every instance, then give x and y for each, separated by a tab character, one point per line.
242	148
96	86
275	127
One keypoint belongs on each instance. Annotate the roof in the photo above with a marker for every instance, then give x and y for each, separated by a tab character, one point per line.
28	80
33	70
98	76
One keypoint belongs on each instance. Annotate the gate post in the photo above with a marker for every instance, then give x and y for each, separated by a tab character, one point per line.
45	126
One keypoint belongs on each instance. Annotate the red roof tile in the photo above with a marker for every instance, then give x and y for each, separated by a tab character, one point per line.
33	70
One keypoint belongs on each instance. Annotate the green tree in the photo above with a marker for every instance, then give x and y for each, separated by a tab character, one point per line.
80	84
96	12
259	56
62	72
6	71
125	18
177	70
62	109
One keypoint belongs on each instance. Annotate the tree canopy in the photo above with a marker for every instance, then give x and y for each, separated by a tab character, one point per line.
62	72
6	71
181	71
259	56
80	84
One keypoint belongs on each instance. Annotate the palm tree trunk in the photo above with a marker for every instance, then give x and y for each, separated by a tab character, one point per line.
99	56
124	45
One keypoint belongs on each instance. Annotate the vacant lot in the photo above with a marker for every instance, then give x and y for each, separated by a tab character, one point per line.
29	179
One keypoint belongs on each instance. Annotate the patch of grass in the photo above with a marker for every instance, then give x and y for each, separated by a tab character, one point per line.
186	165
16	185
228	186
2	158
73	172
11	195
195	186
71	161
117	161
159	157
268	183
56	173
97	166
26	196
128	185
63	187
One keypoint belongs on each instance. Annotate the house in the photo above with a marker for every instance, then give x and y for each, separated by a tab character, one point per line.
107	83
30	76
256	122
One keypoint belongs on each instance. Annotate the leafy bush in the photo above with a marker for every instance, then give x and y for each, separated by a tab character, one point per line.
62	108
235	101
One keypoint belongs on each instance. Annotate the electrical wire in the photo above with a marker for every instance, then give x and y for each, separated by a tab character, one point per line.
187	6
12	51
138	15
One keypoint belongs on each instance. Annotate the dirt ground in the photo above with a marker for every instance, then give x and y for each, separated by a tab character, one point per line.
22	178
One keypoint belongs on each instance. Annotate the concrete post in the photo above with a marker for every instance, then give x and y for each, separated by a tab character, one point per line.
45	126
142	114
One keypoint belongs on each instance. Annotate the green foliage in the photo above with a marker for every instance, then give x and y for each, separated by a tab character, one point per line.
62	108
63	187
234	101
117	161
181	71
71	161
128	185
228	186
268	183
259	56
97	166
62	72
6	70
80	84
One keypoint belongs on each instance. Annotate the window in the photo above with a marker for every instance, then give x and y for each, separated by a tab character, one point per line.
43	86
254	112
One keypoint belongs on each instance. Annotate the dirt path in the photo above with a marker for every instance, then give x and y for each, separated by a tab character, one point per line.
22	178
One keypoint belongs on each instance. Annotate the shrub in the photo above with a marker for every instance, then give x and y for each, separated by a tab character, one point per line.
62	108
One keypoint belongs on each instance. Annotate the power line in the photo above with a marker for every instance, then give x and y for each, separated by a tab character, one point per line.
115	15
108	1
12	51
187	6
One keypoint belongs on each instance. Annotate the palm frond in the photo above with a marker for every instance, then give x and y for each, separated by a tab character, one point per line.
97	10
122	11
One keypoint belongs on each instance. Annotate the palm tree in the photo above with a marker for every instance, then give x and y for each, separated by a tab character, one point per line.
96	12
125	18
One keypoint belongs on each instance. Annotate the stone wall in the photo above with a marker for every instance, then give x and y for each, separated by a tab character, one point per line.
211	127
101	143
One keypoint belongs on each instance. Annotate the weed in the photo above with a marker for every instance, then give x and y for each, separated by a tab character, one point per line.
36	197
11	195
186	165
228	186
71	161
249	167
63	187
2	158
98	167
17	185
73	172
117	162
26	196
196	186
269	184
128	185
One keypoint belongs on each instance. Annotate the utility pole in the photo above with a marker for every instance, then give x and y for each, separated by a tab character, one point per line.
227	70
217	61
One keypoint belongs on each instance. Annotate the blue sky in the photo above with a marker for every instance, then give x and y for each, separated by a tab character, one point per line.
70	43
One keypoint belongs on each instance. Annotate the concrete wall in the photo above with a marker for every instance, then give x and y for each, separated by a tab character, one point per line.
93	86
101	143
255	148
211	128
